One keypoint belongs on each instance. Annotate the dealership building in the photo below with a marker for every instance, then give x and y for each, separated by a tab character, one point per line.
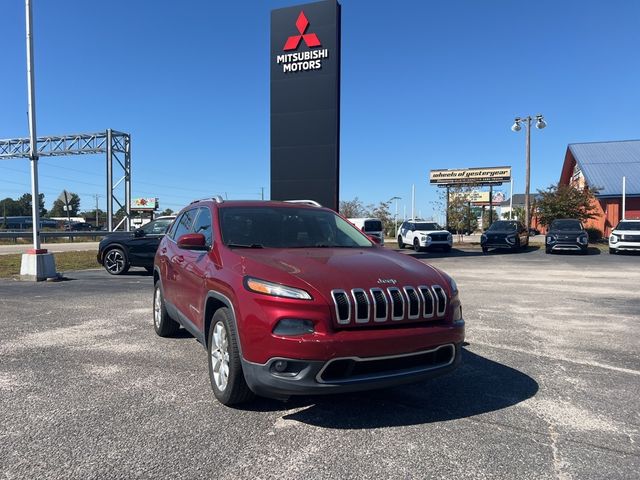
602	166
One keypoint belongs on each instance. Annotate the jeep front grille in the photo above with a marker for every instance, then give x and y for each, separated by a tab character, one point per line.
392	304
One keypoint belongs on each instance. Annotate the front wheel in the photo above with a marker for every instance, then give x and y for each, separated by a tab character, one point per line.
400	242
485	249
612	251
416	245
116	262
547	250
446	249
225	368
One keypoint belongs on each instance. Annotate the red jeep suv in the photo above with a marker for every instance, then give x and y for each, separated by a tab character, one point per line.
289	298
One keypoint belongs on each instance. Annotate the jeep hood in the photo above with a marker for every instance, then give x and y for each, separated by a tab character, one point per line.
325	269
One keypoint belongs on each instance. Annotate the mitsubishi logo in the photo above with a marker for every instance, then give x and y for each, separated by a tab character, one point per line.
311	39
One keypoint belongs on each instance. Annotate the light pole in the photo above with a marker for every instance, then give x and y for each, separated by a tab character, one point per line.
540	124
395	218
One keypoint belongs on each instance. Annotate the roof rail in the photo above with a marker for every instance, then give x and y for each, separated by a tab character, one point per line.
305	202
216	198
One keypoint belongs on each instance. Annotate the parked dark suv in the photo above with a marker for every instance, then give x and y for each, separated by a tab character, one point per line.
505	234
290	298
120	250
566	235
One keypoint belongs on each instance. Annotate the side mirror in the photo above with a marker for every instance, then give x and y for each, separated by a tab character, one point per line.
374	239
193	241
138	233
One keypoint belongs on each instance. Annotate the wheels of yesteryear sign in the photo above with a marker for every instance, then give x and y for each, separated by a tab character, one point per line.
144	204
470	176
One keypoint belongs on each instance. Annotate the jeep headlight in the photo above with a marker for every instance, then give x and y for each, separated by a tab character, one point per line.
613	238
551	239
583	238
454	286
275	289
511	239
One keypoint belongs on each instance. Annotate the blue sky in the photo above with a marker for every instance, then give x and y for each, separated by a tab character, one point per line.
425	85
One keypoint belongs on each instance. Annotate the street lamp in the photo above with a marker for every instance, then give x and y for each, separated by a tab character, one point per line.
395	218
516	127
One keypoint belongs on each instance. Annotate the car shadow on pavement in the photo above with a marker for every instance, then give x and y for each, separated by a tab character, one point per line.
590	251
479	386
455	252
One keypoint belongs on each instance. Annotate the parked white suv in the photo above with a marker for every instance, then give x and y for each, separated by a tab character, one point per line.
422	234
626	236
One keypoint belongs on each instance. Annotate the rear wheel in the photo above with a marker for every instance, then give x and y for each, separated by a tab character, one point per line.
116	261
400	242
164	325
225	368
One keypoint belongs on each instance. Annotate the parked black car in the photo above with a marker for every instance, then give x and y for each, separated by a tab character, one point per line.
566	234
505	234
121	250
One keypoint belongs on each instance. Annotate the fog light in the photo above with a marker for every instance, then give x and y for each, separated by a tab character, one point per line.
293	326
280	366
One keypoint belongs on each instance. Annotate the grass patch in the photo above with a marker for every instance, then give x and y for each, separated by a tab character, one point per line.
65	261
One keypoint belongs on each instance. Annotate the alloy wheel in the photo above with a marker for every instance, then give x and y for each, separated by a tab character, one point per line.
220	356
114	261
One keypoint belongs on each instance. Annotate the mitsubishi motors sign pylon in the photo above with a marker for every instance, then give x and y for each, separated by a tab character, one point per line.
305	103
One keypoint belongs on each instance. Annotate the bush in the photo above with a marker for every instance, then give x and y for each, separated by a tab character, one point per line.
595	235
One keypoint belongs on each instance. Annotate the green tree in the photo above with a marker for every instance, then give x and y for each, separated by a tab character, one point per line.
488	219
353	209
381	212
166	212
58	207
24	205
564	201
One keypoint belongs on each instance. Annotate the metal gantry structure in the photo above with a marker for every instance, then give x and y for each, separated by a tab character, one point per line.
116	145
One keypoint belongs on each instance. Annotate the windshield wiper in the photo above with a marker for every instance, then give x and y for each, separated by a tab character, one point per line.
238	245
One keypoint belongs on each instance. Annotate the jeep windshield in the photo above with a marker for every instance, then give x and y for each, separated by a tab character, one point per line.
287	227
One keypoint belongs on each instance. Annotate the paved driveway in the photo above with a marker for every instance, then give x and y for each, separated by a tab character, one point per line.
548	389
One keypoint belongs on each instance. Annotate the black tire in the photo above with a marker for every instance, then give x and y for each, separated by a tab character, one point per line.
547	250
163	324
223	339
485	249
400	242
416	245
149	269
612	251
115	261
446	249
584	251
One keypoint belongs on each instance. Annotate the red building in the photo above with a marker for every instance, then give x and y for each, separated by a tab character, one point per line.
602	166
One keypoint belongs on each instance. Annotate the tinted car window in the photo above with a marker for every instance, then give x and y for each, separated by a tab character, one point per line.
568	225
157	227
427	226
185	223
372	226
502	226
203	224
628	226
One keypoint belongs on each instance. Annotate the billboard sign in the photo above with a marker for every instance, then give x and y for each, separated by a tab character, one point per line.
305	102
144	204
471	176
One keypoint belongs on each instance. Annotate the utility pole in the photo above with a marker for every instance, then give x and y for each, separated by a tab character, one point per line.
36	264
97	222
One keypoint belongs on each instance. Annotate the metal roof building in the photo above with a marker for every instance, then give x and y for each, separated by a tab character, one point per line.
601	166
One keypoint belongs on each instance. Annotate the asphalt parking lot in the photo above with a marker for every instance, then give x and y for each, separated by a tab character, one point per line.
548	389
